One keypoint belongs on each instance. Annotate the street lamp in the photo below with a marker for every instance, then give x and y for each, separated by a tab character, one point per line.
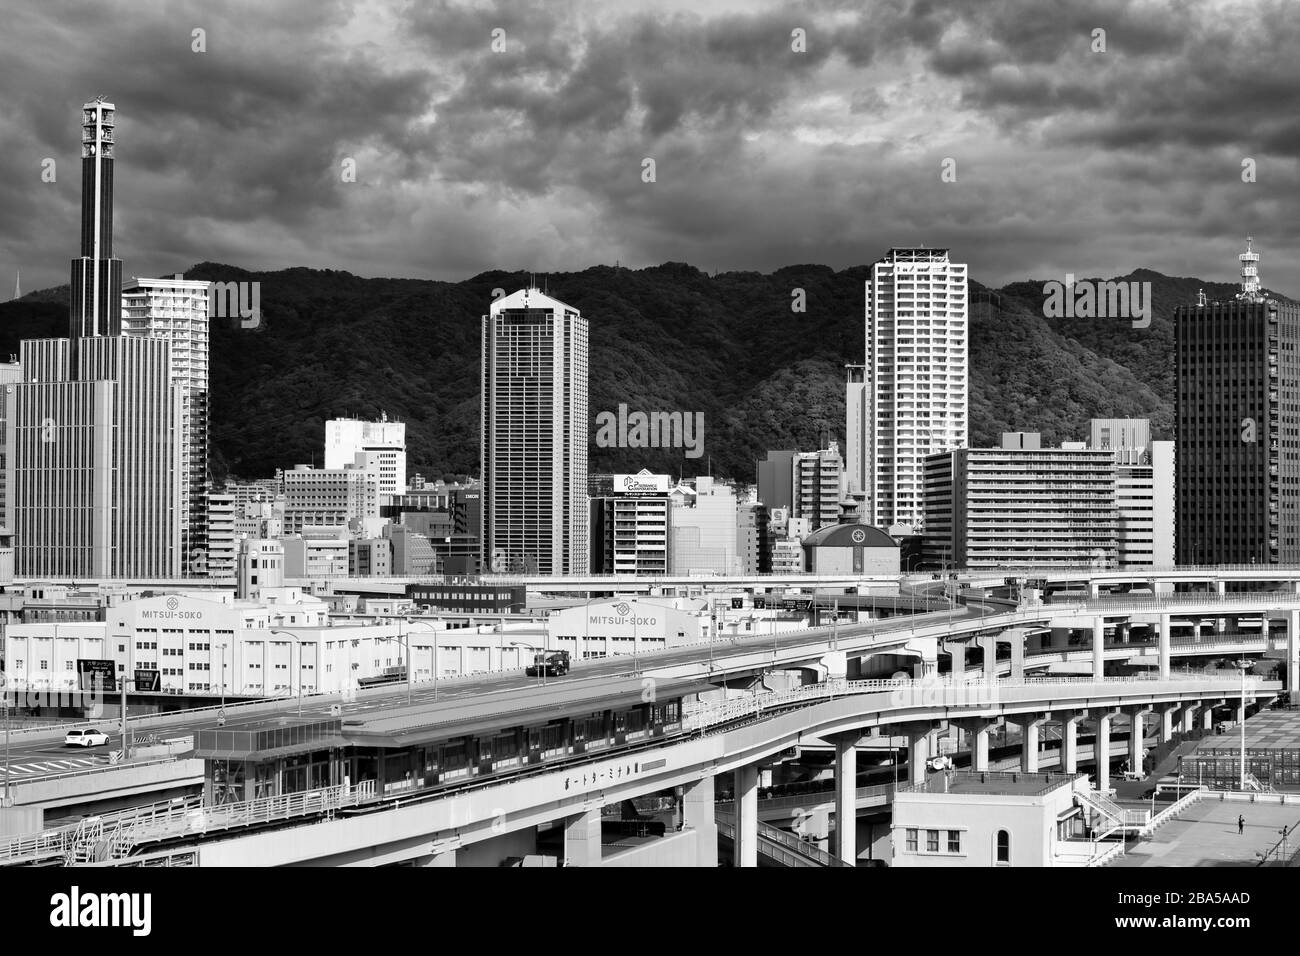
1244	663
541	668
433	628
294	638
4	702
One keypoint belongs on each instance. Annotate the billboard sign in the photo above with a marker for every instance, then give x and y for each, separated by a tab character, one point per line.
96	675
642	483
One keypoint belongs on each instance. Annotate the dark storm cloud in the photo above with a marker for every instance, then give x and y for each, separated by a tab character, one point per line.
469	159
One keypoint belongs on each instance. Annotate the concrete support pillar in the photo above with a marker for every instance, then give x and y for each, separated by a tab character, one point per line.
582	839
1220	588
1070	741
1101	752
1135	736
977	735
697	815
1207	717
1187	718
957	651
1167	722
1293	654
746	790
1017	639
1098	648
918	754
1029	745
1094	590
846	797
1162	642
990	644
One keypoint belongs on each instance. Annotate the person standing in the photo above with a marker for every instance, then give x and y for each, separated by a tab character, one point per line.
1241	825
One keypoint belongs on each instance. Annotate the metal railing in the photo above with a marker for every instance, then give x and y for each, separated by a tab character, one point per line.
751	706
1173	810
1120	817
774	843
20	780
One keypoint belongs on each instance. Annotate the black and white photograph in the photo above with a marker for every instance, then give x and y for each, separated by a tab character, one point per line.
651	434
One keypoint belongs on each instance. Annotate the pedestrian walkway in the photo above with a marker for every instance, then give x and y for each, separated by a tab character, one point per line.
39	767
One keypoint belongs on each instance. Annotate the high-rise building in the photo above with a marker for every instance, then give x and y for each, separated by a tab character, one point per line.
1236	405
816	478
776	479
534	436
911	400
95	306
754	538
629	526
857	409
176	310
1144	490
1021	505
345	438
93	469
221	543
93	464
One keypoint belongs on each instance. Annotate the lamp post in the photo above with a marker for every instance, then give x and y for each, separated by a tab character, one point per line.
4	702
1243	664
294	641
541	668
431	627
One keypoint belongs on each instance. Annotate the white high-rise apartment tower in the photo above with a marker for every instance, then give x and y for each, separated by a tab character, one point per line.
909	399
534	436
176	310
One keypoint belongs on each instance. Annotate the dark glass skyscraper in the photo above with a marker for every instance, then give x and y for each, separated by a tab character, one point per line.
96	296
1237	405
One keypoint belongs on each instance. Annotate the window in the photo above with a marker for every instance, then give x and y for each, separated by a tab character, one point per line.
932	841
911	840
954	841
1003	847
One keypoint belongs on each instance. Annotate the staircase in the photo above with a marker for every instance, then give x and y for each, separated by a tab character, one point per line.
1120	819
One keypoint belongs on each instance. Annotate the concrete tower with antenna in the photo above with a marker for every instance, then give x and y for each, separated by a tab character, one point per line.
1250	290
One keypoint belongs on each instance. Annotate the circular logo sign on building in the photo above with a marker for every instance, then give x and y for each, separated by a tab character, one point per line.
859	536
173	603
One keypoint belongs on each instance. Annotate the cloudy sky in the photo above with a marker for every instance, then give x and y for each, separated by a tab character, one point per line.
469	159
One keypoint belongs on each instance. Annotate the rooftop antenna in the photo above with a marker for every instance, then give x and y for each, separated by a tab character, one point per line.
1200	297
18	285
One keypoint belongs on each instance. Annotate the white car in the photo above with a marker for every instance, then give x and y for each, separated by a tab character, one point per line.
85	738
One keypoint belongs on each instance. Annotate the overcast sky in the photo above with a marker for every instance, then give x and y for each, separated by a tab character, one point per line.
1067	160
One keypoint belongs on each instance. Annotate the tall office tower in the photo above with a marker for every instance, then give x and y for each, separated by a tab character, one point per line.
92	470
176	310
93	463
534	436
95	298
1236	405
345	438
914	398
754	538
816	484
775	479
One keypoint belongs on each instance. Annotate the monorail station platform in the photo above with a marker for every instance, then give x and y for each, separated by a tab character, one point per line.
1205	834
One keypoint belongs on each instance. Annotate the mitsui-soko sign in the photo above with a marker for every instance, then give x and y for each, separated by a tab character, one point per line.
623	616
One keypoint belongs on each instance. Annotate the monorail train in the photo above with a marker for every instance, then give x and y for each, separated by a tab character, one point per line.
458	749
